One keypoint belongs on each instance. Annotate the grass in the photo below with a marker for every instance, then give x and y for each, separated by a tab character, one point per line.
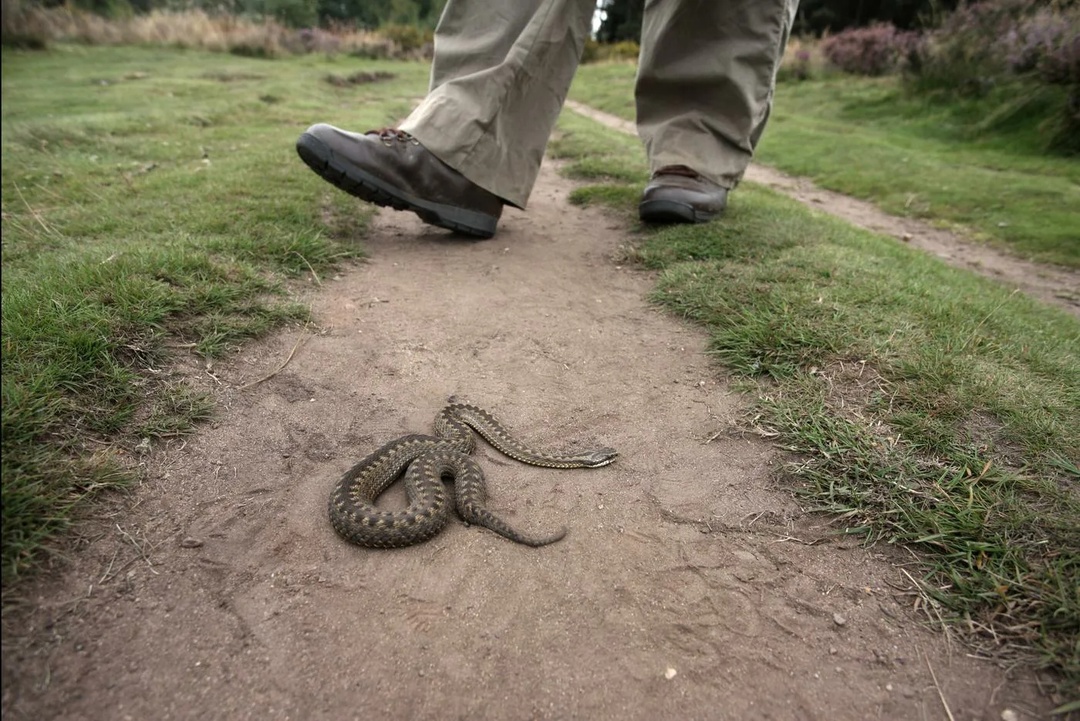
945	163
925	405
152	199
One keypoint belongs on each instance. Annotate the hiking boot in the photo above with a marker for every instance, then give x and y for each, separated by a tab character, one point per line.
391	168
678	194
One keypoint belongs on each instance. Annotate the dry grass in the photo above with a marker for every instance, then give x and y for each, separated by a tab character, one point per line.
33	26
803	59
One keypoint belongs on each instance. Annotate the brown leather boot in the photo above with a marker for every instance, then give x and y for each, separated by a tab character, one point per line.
391	168
678	194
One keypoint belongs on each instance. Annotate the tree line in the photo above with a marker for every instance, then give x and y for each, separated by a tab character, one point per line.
621	19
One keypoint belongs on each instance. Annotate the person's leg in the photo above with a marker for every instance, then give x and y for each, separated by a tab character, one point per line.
501	72
704	90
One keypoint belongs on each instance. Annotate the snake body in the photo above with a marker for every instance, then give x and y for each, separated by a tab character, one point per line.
426	460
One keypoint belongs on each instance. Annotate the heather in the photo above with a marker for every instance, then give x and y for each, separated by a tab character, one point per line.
874	50
1010	64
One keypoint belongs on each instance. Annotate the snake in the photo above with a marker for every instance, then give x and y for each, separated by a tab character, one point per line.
425	461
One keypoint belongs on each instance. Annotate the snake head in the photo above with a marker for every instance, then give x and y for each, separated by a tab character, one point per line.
599	457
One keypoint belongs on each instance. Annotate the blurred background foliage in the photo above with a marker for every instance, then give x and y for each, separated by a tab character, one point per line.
1020	58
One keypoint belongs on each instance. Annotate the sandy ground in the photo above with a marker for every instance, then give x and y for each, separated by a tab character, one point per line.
690	585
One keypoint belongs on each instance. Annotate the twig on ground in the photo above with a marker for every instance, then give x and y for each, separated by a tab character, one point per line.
929	607
108	570
313	273
277	370
756	516
784	539
941	695
138	548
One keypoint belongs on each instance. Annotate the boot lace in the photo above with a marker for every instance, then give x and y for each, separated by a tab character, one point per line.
389	136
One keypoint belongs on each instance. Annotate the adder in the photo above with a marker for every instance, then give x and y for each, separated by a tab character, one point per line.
426	460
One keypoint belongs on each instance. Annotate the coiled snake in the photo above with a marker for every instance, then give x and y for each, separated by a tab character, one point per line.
426	460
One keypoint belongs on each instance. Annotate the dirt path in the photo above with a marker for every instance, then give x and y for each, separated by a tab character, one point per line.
690	585
1053	285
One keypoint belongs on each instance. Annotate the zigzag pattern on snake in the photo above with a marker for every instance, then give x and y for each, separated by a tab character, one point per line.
426	460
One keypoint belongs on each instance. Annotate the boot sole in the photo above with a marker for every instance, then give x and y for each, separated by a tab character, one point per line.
669	211
317	155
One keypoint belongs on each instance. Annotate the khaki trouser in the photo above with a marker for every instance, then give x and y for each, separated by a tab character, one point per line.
503	67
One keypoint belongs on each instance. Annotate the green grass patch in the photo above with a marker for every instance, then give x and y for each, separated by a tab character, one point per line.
152	198
949	163
926	405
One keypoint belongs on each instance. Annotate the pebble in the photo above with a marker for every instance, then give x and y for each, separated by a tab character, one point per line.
190	542
1009	715
670	673
839	620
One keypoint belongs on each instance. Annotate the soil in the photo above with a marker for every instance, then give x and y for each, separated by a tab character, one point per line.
690	584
